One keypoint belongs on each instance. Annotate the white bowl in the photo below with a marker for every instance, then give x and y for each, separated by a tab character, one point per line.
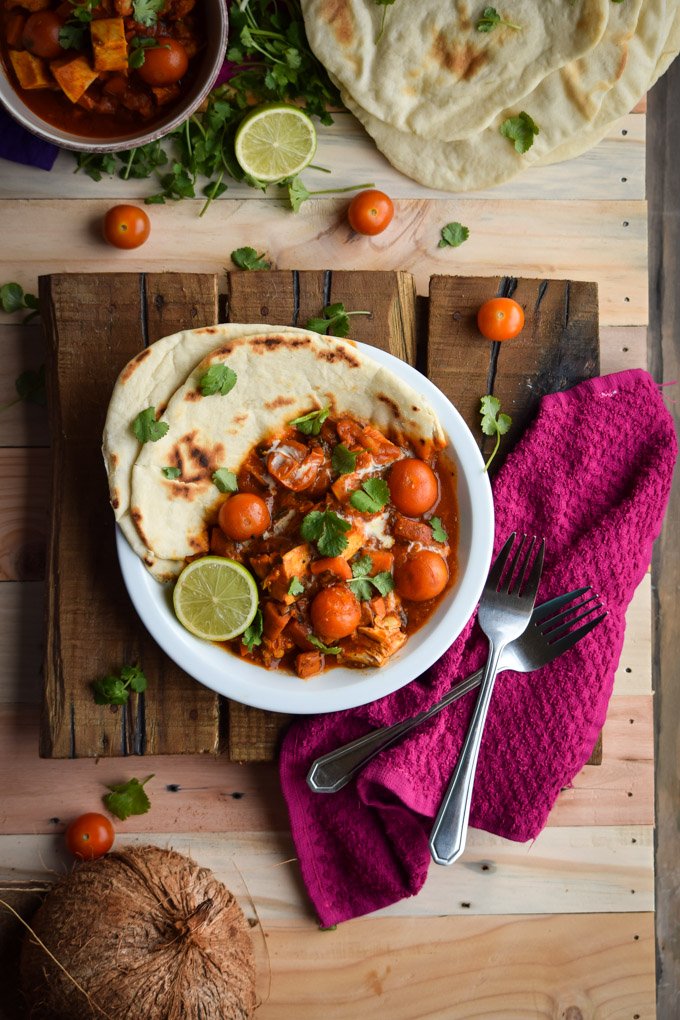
340	687
211	61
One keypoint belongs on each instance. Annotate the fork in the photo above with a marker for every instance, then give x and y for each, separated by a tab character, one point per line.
504	613
549	634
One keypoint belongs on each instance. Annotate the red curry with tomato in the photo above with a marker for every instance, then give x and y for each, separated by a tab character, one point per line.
101	68
352	540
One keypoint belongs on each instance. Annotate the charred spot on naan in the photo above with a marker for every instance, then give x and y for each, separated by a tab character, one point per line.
136	515
197	461
272	405
462	60
392	404
133	365
337	14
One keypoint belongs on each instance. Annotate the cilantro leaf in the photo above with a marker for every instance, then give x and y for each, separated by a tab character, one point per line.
490	19
13	299
438	532
252	635
327	529
115	690
343	461
520	130
127	799
332	650
493	423
296	587
384	4
138	47
310	424
146	428
171	472
218	379
247	258
72	36
334	320
225	480
453	235
30	386
362	585
371	497
145	12
298	193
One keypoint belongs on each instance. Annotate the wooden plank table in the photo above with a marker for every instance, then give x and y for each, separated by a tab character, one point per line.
561	927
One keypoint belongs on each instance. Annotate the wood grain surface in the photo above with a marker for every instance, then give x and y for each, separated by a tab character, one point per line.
561	928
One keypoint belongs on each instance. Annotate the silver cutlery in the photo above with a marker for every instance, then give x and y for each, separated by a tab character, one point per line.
504	613
548	635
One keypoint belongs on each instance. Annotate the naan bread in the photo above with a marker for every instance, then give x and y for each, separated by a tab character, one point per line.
563	105
149	380
432	73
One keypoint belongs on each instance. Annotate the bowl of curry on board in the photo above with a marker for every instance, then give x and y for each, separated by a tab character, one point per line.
371	526
106	75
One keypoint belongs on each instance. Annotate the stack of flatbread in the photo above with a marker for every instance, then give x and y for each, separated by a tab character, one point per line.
433	82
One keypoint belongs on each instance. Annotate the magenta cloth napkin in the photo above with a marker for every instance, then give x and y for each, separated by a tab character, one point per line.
592	474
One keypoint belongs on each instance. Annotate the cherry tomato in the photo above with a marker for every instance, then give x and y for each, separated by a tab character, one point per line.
244	515
335	613
294	465
413	486
421	576
41	35
164	64
90	836
500	318
370	212
126	226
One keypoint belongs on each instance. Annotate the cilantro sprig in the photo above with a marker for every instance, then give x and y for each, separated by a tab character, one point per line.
327	529
493	423
138	47
225	480
326	649
453	235
13	298
171	472
334	320
218	379
520	130
439	533
384	4
343	461
362	585
252	635
310	424
116	689
295	587
491	19
298	193
371	497
247	258
145	12
146	428
127	799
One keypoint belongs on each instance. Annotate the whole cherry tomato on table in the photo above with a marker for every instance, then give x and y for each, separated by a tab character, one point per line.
41	35
370	212
243	516
90	836
126	226
500	318
335	613
165	63
421	576
413	486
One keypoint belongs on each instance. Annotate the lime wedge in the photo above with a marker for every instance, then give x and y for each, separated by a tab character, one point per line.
215	598
275	141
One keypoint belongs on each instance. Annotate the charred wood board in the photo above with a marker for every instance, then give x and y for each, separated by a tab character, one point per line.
95	324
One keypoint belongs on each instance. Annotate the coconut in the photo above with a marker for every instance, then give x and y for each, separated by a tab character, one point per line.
142	933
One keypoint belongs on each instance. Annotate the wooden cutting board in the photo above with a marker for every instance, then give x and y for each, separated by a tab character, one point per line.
96	323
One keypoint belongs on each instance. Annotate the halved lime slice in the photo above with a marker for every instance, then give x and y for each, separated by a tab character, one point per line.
215	598
275	141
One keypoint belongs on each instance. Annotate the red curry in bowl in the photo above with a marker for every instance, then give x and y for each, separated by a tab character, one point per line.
101	68
351	537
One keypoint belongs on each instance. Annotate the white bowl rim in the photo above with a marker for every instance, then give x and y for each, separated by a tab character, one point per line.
15	106
340	687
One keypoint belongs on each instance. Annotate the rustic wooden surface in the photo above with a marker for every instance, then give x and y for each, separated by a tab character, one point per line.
562	927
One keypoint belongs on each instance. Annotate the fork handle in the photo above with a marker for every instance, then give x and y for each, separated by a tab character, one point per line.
447	839
332	771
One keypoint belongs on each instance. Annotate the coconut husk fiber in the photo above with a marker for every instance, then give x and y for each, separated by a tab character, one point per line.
141	934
